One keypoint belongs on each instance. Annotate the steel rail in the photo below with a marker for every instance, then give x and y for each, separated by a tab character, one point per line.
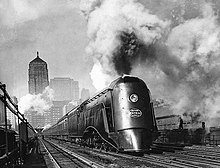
79	157
52	159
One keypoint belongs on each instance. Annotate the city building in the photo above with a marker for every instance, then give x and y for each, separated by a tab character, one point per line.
37	82
65	89
56	111
11	116
84	94
38	120
75	91
47	117
38	75
67	108
34	118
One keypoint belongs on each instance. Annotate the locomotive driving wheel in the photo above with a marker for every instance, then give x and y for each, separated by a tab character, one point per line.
94	140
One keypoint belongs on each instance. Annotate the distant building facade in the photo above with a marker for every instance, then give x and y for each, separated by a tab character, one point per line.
85	94
11	116
34	118
65	89
56	112
75	91
37	82
67	108
38	75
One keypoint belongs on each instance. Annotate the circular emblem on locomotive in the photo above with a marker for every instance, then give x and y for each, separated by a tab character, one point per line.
133	98
135	113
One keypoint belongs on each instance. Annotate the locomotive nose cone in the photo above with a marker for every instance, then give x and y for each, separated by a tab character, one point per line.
134	140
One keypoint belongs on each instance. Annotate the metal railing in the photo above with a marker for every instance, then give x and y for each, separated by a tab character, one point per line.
10	106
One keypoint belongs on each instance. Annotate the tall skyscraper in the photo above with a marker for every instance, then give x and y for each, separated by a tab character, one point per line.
38	81
65	89
84	94
38	75
75	91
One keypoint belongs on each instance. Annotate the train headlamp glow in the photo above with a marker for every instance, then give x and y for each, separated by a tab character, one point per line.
133	98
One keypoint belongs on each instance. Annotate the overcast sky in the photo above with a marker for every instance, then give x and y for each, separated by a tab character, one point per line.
55	28
58	30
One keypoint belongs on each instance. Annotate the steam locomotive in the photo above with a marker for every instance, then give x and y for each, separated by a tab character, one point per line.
120	118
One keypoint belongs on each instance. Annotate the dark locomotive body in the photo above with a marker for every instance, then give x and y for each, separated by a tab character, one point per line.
121	116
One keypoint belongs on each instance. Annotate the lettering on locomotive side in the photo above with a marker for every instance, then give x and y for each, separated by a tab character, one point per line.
135	113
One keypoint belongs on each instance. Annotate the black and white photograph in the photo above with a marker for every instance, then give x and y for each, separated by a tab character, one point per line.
110	83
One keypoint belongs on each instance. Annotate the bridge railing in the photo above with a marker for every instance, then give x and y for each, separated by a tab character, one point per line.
8	143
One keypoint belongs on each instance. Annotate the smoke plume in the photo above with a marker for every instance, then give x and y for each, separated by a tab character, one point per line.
38	103
185	70
174	48
117	32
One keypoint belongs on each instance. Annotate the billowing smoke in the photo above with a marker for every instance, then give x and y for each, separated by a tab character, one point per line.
185	71
175	49
118	31
39	103
196	45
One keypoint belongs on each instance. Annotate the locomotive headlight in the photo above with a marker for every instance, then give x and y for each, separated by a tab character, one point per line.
133	98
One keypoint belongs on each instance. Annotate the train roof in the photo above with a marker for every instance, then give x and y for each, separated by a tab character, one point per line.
121	79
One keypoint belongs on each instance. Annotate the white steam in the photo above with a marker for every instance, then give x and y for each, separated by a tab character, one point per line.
196	43
46	127
180	64
186	71
106	22
39	103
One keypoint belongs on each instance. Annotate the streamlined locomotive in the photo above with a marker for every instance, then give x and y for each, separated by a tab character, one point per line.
121	117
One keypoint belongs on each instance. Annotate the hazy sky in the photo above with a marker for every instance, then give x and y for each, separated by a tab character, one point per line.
58	30
55	28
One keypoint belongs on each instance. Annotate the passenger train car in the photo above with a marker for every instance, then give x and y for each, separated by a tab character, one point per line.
121	117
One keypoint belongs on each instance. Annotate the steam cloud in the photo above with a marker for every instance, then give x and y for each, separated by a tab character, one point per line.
118	30
46	127
38	103
178	57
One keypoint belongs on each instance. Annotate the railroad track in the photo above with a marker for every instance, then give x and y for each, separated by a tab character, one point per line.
64	158
186	158
195	158
147	160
